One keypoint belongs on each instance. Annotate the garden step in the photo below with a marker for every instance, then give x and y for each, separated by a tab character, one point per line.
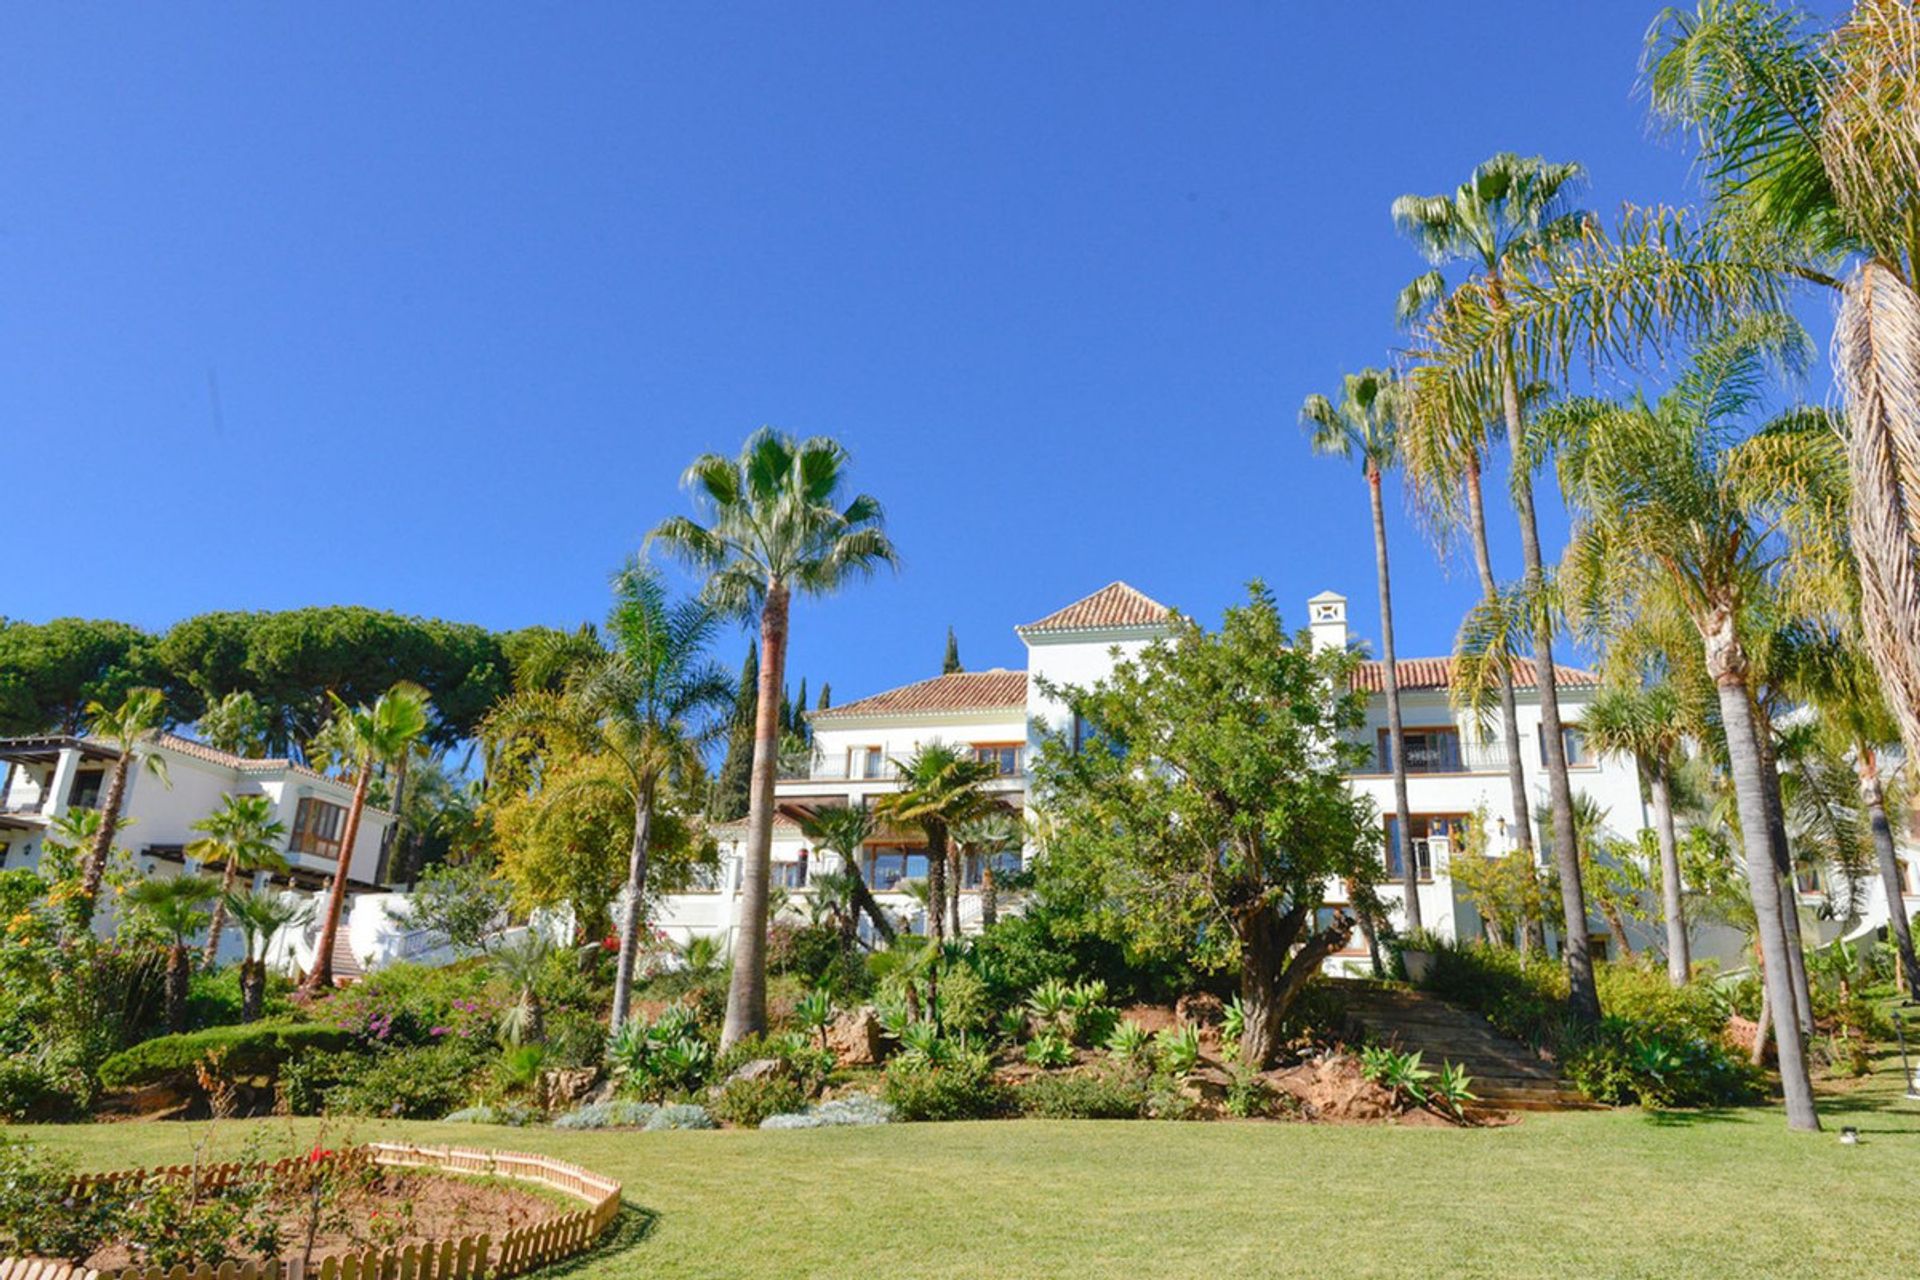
1505	1072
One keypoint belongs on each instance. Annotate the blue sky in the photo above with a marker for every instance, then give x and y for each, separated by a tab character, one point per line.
426	308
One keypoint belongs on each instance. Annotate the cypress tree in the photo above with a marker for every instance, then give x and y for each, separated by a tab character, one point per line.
731	789
826	696
800	710
952	663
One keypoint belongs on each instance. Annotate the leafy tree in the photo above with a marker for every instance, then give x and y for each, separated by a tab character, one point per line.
1363	426
51	672
774	525
241	835
941	786
1212	813
641	702
260	917
236	723
174	905
951	663
130	726
464	902
1505	888
369	736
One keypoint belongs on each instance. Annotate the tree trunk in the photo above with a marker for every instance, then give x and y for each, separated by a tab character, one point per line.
1672	908
1728	665
630	914
865	901
179	979
937	882
1522	828
1764	1026
1617	927
989	895
397	869
1875	798
956	876
103	838
322	975
211	954
747	990
1403	835
1783	863
253	985
1269	980
1582	996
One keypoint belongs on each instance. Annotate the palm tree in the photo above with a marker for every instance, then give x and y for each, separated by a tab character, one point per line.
774	526
1672	500
941	786
843	830
997	831
1363	425
523	1017
129	726
370	737
1644	722
242	835
1510	210
173	906
260	917
642	700
237	724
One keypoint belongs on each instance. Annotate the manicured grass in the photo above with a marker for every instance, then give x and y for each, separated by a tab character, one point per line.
1596	1193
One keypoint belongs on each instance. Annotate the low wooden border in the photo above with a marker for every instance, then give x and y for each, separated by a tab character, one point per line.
474	1257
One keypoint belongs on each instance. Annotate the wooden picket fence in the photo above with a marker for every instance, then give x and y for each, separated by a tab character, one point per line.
475	1257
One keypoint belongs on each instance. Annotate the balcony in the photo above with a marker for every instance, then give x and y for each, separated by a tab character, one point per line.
1437	754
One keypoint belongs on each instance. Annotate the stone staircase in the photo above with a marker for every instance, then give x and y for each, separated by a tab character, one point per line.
1506	1073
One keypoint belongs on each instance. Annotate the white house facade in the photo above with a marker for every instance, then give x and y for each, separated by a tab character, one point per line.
1454	770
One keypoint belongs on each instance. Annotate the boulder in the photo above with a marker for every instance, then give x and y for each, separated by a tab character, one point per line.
757	1069
856	1038
564	1087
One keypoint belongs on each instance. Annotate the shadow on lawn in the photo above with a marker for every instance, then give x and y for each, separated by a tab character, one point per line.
629	1229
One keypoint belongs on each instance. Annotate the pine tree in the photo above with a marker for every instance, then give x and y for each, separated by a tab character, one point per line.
730	790
952	663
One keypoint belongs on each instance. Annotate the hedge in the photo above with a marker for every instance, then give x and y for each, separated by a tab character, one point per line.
256	1048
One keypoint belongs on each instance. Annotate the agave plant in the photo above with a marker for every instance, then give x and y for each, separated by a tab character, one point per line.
1051	1002
1050	1049
1453	1089
922	1045
1179	1048
815	1011
1130	1042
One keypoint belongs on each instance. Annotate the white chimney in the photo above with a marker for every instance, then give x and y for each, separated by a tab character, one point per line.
1327	619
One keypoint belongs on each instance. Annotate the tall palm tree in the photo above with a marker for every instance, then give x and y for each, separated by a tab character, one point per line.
173	905
843	830
1676	498
997	831
370	737
1512	209
260	917
130	726
1363	425
774	525
1644	722
645	698
941	786
243	836
1807	143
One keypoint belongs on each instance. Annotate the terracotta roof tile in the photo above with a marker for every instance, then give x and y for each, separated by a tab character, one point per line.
1114	605
227	760
961	691
1437	673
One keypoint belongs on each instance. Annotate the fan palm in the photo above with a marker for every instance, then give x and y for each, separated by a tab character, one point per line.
173	906
1644	722
369	737
130	726
1363	426
941	785
843	831
645	698
997	831
1511	211
260	916
1675	498
520	967
775	525
242	836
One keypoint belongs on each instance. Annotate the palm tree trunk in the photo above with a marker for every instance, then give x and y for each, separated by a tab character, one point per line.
1582	995
1874	796
103	838
936	882
989	895
1783	864
1390	671
219	917
1522	828
747	989
630	914
253	983
1763	879
1672	909
955	877
179	978
865	901
1763	1027
322	975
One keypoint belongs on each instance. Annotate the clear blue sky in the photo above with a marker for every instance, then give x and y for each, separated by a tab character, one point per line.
426	307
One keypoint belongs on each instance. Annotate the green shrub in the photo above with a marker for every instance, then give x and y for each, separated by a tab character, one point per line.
963	1089
801	1061
255	1049
213	998
410	1084
410	1004
1084	1096
38	1216
807	951
491	1113
746	1102
32	1089
1620	1063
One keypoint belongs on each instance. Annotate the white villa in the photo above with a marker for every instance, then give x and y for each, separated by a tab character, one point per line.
1003	716
46	776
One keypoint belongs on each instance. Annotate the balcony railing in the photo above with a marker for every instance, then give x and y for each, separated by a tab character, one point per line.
1452	757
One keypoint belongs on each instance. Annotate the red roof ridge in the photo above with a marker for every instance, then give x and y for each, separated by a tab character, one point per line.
956	691
1117	604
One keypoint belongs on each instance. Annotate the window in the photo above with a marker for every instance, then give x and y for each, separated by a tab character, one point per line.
1433	750
886	868
1427	828
85	792
1086	733
316	828
1906	877
1597	945
866	762
1807	879
1003	756
790	875
1323	920
1004	864
1572	741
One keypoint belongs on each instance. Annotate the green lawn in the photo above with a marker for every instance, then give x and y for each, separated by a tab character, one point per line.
1596	1193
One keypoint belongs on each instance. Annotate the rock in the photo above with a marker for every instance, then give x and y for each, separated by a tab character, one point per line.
562	1088
856	1038
1201	1009
758	1069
